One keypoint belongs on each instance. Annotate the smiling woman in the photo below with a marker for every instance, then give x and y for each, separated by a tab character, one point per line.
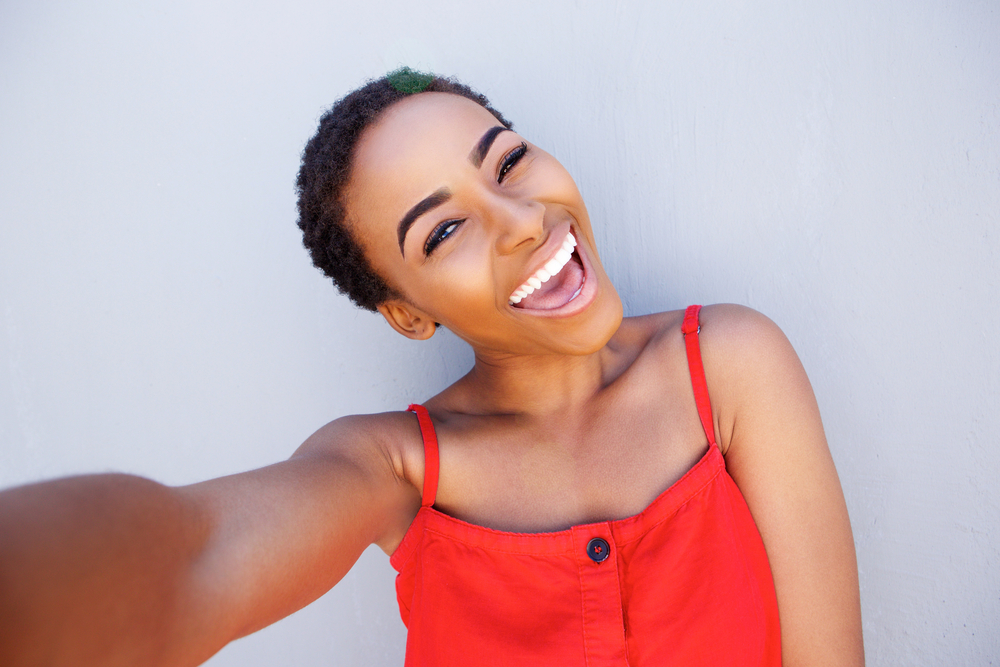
594	491
478	213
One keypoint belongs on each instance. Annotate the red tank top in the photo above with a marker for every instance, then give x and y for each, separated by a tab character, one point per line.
684	582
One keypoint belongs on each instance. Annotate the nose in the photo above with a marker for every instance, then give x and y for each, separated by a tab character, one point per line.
518	222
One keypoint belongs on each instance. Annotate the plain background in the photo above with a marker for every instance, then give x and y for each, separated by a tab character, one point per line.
837	168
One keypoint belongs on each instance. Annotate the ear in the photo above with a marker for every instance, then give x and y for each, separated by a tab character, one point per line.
408	320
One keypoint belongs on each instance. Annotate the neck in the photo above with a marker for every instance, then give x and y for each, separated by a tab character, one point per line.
536	386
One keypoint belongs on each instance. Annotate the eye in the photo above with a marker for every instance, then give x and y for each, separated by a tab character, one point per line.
440	233
510	160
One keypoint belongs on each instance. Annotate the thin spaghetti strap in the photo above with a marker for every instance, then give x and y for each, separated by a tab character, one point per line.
691	328
431	460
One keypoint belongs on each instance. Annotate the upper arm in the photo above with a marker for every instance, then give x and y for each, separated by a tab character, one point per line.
771	434
281	536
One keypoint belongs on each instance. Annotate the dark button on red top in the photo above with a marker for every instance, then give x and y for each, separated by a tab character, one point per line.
598	550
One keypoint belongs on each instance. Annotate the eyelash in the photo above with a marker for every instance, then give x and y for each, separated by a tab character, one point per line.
510	160
440	233
447	228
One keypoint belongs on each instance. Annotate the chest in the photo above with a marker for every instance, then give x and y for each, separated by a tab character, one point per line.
631	444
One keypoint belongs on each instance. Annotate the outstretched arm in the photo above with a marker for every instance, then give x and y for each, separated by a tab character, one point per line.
119	570
771	435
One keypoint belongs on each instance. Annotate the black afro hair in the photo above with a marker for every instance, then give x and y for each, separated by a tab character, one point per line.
326	169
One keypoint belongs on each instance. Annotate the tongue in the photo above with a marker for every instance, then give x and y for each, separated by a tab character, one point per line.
558	290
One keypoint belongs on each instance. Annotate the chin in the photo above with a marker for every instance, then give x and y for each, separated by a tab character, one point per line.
603	319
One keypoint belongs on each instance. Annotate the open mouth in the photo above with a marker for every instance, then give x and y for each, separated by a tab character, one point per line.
554	285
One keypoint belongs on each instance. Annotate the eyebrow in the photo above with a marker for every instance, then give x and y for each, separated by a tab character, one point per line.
476	157
478	153
424	205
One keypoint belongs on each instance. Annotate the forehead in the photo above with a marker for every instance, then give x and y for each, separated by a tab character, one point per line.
440	122
417	146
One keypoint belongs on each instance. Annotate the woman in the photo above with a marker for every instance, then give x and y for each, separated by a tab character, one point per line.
594	491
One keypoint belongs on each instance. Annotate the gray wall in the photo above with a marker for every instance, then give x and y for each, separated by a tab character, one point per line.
836	168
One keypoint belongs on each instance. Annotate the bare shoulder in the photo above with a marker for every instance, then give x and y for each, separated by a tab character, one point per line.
733	325
731	330
750	366
733	338
388	439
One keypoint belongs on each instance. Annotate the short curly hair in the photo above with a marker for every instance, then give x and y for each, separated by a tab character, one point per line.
326	170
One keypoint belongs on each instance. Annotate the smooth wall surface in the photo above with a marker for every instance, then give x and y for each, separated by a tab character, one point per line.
837	168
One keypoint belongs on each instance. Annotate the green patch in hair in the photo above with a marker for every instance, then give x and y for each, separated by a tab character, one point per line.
405	80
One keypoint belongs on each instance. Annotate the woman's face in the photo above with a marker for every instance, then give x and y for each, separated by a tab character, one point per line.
462	217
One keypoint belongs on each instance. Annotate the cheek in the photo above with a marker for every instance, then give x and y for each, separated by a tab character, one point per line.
467	283
555	177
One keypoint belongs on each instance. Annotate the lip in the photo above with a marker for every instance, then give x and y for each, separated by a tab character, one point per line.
588	291
548	250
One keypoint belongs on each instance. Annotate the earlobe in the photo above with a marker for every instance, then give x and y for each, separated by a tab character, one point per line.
408	320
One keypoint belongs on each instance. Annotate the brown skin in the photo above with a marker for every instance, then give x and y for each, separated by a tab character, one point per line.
561	421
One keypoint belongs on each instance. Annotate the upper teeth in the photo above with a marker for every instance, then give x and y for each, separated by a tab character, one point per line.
551	268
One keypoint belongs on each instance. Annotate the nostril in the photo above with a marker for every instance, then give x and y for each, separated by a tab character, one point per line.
520	223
